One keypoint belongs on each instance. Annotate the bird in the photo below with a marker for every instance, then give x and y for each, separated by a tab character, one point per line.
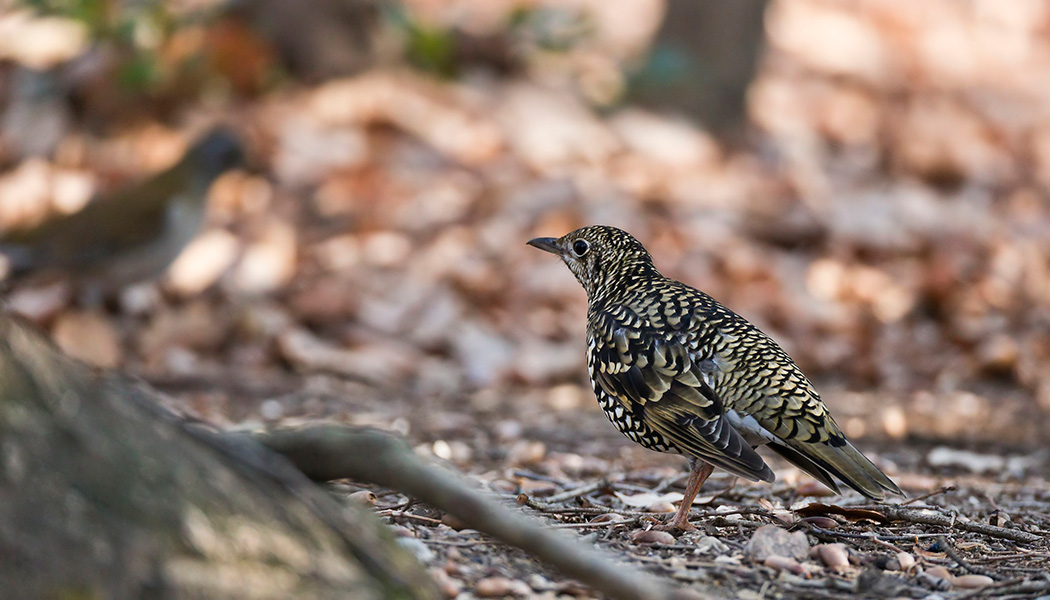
134	233
678	372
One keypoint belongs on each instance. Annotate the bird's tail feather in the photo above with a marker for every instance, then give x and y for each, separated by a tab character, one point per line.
845	462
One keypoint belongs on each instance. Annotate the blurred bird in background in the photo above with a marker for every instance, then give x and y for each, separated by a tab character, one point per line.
130	235
675	371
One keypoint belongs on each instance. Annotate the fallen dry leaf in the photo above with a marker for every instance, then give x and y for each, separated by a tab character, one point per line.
647	498
816	509
90	337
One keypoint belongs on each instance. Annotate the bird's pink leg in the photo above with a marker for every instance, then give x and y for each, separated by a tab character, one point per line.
701	471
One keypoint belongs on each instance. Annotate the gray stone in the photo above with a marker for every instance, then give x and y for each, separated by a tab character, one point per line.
770	540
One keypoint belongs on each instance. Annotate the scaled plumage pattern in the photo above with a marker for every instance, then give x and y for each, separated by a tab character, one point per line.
676	371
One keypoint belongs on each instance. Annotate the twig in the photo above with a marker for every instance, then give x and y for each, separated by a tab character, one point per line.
871	535
327	451
743	510
583	490
400	514
999	557
885	544
538	477
459	544
943	490
1023	569
962	562
544	507
595	525
897	513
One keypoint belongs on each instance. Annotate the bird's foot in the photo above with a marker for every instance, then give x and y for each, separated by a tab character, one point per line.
678	524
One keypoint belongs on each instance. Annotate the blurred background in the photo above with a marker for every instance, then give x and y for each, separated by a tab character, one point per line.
865	181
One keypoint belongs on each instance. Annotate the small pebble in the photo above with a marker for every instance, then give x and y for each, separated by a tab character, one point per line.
607	517
497	587
139	299
417	547
652	536
972	581
363	497
835	556
783	563
400	531
524	452
711	544
939	572
448	586
770	540
685	593
539	583
507	431
272	410
453	521
905	560
661	506
40	304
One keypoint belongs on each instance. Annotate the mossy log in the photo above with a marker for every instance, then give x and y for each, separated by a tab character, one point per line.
104	494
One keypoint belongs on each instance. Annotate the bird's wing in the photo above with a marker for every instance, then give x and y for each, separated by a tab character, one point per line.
657	382
759	380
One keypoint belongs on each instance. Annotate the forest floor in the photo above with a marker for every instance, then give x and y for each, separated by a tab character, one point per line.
570	468
885	221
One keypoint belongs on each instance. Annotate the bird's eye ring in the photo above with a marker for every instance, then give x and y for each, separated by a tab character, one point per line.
580	247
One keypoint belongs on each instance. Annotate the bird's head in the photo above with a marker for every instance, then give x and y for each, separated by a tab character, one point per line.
215	153
601	257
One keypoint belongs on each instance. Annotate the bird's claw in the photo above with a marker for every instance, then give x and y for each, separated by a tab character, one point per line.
677	525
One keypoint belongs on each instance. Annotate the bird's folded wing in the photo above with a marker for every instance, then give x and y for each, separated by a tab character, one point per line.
658	382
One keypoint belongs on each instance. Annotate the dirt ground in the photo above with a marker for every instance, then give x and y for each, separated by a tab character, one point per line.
886	220
570	467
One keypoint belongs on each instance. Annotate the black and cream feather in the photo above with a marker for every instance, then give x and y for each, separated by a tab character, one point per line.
676	371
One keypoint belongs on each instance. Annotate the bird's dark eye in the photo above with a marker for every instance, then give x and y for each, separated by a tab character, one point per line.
580	247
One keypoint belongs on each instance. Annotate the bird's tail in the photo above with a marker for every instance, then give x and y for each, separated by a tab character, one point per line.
843	461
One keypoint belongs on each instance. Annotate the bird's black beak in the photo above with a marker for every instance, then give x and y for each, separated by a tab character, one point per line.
545	244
